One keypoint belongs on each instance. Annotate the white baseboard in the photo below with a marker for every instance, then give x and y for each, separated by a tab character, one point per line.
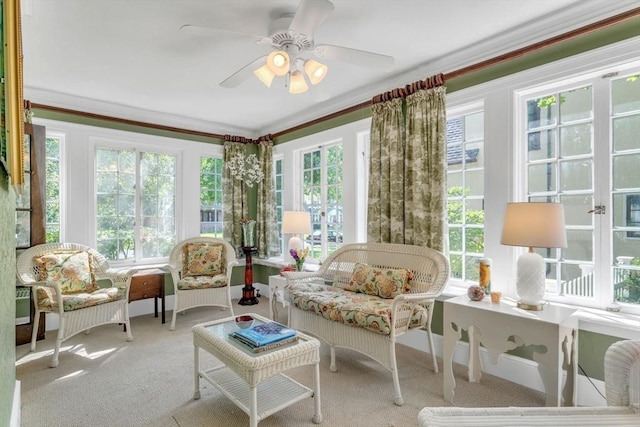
17	404
511	368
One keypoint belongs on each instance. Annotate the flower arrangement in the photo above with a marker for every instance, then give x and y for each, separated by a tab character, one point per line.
246	168
298	256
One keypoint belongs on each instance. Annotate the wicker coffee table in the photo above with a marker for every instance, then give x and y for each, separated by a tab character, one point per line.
254	381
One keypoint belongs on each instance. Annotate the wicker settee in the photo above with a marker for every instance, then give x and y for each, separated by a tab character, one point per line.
365	295
622	358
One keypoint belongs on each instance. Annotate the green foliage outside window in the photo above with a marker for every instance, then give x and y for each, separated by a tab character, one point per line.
629	289
474	242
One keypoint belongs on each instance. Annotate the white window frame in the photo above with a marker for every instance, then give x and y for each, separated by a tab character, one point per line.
602	245
353	136
60	136
475	106
279	158
111	143
200	188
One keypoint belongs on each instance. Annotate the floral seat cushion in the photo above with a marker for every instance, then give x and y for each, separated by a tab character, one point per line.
203	259
202	282
351	308
76	301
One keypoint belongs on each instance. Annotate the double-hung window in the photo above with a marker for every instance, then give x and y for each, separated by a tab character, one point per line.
211	197
322	197
465	190
53	146
580	146
135	204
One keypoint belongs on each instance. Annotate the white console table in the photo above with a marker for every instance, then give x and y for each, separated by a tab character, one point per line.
502	327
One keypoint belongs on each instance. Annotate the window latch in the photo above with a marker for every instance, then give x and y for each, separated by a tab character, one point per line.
598	210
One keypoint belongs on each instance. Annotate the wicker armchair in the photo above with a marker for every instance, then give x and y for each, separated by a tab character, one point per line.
621	360
201	270
64	279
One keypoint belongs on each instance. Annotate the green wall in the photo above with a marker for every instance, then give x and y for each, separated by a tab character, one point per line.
7	298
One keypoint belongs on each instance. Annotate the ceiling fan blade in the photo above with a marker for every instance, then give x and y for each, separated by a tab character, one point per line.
223	33
310	14
354	56
243	73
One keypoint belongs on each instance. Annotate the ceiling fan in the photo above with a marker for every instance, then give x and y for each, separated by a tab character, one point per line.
291	38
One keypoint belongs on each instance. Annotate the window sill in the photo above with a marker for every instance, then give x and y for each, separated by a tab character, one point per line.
278	262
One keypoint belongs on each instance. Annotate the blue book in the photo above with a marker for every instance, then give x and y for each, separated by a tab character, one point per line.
264	334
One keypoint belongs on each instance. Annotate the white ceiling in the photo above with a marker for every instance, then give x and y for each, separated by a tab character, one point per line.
129	58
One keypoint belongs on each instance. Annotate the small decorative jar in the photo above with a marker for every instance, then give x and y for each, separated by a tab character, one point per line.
475	293
485	275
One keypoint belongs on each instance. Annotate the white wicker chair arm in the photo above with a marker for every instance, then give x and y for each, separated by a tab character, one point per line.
618	362
51	285
417	298
119	277
403	307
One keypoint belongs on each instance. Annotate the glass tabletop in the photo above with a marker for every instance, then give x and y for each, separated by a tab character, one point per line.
222	331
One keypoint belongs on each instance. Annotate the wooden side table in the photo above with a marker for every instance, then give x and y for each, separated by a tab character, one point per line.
148	284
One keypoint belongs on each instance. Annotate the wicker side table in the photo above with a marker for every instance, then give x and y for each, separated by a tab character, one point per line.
254	381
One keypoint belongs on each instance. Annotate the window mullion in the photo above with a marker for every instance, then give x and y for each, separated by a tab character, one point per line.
602	186
138	212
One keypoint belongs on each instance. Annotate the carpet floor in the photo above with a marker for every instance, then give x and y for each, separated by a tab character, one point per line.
103	380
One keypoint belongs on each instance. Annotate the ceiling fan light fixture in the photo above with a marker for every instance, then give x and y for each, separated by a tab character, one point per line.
278	62
315	71
265	75
297	84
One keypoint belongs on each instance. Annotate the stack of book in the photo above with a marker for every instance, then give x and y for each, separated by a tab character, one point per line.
265	336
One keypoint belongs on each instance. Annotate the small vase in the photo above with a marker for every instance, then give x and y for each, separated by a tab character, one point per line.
249	233
299	265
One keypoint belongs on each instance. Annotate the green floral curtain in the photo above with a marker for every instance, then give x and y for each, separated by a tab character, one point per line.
266	212
386	174
407	185
425	164
234	196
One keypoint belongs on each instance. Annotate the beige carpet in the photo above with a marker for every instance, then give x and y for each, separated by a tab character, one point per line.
102	380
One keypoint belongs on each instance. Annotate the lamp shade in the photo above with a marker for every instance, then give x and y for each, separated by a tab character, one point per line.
265	75
297	84
534	225
315	71
278	62
296	222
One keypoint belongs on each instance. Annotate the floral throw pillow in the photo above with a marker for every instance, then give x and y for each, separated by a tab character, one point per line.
203	259
382	282
72	270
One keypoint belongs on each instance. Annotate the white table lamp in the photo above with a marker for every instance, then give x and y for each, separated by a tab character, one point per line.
295	222
533	225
